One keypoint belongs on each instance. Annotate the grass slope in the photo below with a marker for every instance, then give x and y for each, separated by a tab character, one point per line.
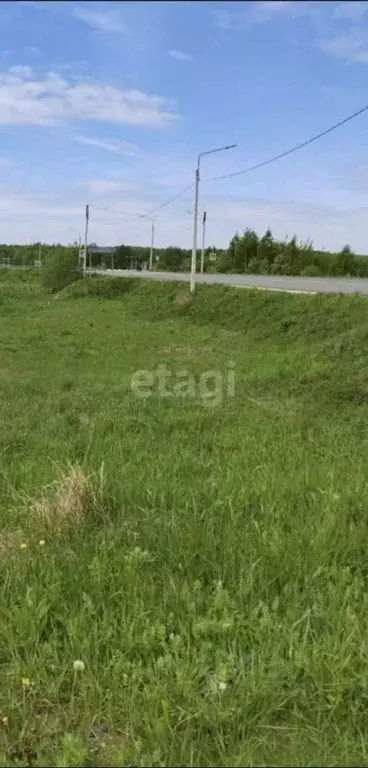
208	565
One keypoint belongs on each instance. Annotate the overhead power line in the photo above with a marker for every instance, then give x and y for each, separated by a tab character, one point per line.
293	149
158	207
147	213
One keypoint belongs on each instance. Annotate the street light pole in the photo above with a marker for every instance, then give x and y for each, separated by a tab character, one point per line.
203	240
85	240
194	249
152	243
195	224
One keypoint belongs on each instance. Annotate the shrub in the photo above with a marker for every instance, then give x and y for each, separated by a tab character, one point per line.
312	270
99	288
60	269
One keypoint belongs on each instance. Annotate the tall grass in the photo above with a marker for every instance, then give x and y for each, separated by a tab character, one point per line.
205	567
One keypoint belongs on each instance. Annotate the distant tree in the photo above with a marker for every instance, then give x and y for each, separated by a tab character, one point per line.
123	257
346	263
227	260
247	250
267	250
242	250
172	259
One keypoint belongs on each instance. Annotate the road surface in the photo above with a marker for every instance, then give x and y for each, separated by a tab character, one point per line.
265	282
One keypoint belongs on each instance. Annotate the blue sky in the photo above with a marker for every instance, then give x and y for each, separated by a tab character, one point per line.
110	103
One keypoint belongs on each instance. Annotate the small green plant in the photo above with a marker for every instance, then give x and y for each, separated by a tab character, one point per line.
73	751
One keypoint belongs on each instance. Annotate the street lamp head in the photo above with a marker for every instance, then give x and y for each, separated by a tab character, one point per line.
218	149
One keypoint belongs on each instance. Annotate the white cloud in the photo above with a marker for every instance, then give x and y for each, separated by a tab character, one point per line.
247	14
105	185
102	20
30	50
274	6
180	56
59	218
339	28
344	33
124	148
4	162
22	71
353	46
351	11
13	203
53	99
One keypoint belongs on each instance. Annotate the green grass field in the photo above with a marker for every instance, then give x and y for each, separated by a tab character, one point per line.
208	563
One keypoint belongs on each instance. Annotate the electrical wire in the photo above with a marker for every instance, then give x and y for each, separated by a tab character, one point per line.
179	218
292	149
147	213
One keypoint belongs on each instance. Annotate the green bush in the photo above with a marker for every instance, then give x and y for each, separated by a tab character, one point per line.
312	270
61	268
98	287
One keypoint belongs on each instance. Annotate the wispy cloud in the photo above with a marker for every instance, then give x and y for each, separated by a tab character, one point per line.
338	28
344	33
25	100
353	46
180	56
104	186
30	50
45	5
21	71
351	11
247	14
273	7
59	218
124	148
104	20
12	202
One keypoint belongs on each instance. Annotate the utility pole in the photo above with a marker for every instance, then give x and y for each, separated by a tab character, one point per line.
85	240
194	249
152	246
195	225
203	240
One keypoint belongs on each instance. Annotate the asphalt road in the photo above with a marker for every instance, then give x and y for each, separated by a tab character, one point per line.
263	282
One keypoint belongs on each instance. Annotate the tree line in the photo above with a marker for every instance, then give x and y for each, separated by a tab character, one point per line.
248	253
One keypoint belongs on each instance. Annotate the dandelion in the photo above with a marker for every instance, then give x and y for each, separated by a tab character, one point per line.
78	665
222	686
26	683
23	545
41	543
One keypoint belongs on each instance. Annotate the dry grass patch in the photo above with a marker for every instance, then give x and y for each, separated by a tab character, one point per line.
181	298
10	541
67	502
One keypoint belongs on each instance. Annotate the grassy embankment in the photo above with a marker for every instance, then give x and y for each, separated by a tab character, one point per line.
208	565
